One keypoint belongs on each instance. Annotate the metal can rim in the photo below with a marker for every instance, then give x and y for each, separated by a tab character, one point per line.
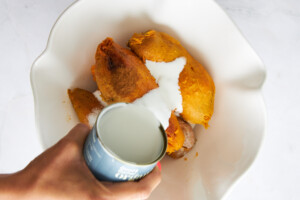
111	153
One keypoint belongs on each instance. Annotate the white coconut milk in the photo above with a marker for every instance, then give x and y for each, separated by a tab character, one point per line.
132	133
92	117
167	97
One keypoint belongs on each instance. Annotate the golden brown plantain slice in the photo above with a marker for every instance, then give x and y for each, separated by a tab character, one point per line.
120	75
196	86
84	103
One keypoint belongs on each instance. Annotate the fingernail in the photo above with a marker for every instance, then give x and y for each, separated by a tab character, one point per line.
159	166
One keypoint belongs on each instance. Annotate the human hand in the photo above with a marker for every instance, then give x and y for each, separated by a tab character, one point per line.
61	173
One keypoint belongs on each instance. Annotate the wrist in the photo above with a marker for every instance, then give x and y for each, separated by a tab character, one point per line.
13	186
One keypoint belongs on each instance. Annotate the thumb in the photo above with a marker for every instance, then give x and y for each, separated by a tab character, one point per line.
78	134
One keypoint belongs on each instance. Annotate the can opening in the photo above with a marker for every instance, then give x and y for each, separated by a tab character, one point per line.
131	133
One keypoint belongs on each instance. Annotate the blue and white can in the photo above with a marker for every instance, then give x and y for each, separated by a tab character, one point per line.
107	166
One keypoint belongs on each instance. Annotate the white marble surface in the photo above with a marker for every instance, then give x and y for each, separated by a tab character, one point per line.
271	27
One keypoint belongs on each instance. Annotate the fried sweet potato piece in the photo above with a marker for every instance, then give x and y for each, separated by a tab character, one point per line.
84	103
189	139
174	134
120	75
196	86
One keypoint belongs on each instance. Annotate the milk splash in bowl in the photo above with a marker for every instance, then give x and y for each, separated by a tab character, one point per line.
167	97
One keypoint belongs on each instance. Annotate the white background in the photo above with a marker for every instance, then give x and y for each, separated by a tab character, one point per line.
271	26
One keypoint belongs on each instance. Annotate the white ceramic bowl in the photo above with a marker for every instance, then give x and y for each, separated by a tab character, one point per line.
227	148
